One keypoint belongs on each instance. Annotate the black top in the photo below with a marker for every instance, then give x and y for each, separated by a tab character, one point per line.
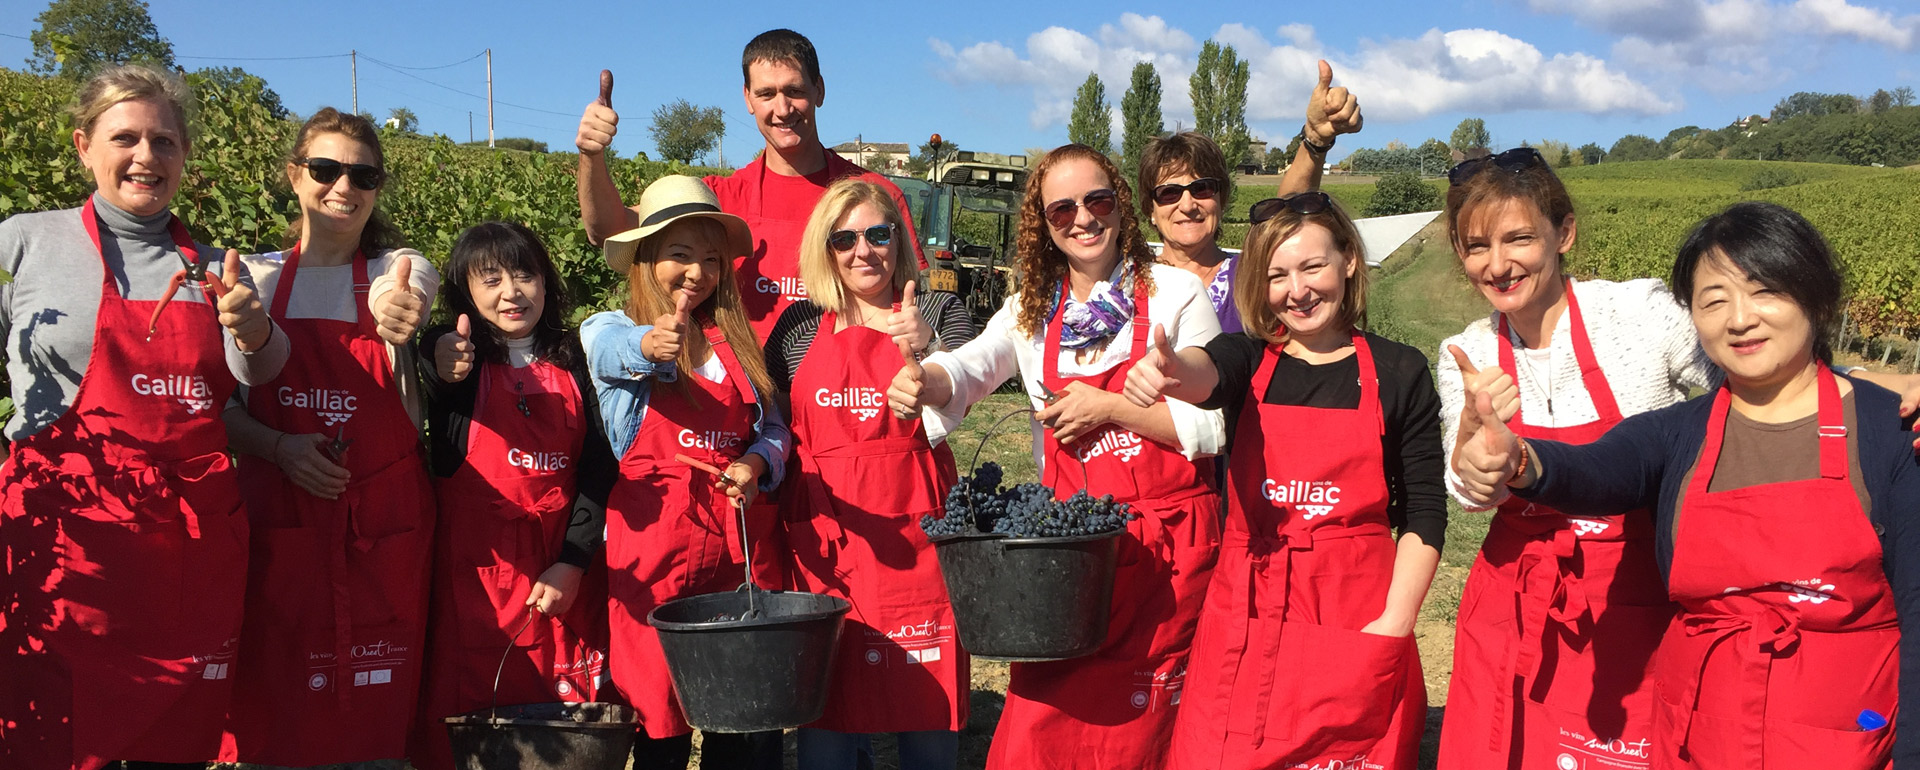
793	334
1415	462
450	413
1645	462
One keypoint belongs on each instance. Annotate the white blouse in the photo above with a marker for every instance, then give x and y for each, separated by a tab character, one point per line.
1643	340
1179	304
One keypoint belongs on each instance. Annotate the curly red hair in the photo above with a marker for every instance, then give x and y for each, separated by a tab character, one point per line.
1042	265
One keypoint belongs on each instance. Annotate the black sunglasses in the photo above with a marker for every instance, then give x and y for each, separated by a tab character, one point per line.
360	175
1099	203
1515	160
1311	202
877	236
1203	189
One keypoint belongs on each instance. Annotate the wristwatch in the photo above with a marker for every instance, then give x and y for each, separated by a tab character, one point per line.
1317	149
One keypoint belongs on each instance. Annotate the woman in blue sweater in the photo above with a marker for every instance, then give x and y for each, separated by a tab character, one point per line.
1782	501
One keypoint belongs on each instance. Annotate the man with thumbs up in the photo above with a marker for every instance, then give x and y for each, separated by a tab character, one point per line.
774	194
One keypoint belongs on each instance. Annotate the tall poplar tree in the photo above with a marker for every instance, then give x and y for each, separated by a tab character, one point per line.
1092	120
1140	118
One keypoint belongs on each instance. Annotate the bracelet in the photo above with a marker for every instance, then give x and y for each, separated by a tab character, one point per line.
276	446
1521	469
1317	149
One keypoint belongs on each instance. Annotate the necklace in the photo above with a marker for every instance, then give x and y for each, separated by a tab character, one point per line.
1539	381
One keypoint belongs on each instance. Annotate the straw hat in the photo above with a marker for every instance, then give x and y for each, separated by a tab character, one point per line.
670	199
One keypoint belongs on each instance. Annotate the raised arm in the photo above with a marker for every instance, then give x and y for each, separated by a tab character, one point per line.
1330	113
600	208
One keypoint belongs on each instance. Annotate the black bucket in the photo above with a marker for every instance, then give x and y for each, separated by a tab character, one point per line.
543	736
768	672
1030	599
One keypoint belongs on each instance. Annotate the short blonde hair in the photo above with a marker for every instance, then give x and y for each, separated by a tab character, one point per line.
132	82
817	268
1250	283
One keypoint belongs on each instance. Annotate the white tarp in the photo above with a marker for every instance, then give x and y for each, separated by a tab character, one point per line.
1382	235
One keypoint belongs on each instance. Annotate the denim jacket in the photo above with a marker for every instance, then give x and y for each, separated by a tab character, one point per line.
623	379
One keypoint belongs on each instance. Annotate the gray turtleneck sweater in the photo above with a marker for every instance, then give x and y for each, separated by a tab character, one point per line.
48	313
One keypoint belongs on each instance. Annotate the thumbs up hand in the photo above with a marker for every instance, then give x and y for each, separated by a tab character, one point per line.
599	122
453	352
1149	379
663	344
240	309
1494	382
398	312
904	325
903	395
1486	461
1331	111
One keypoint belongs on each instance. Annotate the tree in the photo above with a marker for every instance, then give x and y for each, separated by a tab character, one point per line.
1903	96
1435	157
1555	152
1218	89
1592	153
78	37
924	159
1402	192
1634	147
683	131
403	119
1140	119
1470	135
1092	120
233	82
1669	145
1881	101
1842	104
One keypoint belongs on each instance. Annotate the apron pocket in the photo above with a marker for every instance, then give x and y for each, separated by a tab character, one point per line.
1344	687
1607	676
123	572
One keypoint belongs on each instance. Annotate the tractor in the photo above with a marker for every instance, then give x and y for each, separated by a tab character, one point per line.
966	212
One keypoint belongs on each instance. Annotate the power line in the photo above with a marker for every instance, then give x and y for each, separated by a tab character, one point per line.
465	93
265	58
437	67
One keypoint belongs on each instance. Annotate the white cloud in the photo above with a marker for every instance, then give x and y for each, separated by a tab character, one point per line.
1838	18
1464	70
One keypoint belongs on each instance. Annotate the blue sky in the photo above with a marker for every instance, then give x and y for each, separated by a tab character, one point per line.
1000	76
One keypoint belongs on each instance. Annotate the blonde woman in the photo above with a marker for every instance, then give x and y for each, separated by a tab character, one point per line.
127	548
678	372
865	478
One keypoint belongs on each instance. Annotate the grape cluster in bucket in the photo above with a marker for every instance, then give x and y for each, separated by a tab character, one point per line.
980	505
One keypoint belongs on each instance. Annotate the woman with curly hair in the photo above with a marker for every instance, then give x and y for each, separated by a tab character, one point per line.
1090	292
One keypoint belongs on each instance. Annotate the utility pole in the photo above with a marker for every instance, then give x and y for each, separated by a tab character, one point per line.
489	98
356	80
469	126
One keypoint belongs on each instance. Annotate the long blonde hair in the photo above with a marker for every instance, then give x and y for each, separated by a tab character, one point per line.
817	266
647	301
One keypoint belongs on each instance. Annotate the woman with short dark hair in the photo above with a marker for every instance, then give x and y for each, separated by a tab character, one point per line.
1783	503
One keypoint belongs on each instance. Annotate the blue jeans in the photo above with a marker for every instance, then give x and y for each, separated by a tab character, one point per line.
919	750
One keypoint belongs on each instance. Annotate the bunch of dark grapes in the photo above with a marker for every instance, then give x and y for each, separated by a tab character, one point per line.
978	504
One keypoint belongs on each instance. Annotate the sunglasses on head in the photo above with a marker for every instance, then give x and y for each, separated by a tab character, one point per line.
1099	203
1312	202
1515	160
877	236
360	175
1203	189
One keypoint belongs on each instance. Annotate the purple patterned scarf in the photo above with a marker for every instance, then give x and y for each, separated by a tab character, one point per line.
1108	307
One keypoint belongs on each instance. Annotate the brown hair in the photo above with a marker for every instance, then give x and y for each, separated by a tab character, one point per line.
1493	185
1185	151
783	46
647	301
1042	266
1250	280
132	82
817	268
378	235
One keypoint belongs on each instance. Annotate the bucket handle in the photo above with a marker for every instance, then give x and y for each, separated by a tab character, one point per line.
746	555
493	710
994	430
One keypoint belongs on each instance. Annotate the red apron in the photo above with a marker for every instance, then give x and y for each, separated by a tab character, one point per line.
670	533
125	548
503	516
1787	627
866	477
1306	563
1560	616
336	600
1115	707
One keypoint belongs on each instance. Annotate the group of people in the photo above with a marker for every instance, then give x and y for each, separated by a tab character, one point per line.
409	503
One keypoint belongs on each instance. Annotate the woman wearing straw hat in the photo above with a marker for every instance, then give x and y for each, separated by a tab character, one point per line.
679	373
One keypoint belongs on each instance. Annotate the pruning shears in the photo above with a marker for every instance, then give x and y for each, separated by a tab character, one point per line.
337	448
195	273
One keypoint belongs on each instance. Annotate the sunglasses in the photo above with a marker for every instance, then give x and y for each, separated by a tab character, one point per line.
360	175
1515	160
877	236
1312	202
1099	203
1203	189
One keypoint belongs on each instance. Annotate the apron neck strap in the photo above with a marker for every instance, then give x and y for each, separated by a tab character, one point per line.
1830	424
717	340
176	230
283	288
1595	381
1050	363
1369	379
